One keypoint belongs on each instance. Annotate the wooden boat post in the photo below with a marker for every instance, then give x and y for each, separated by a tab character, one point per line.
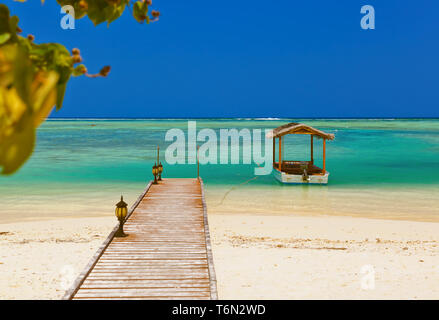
274	151
280	153
312	149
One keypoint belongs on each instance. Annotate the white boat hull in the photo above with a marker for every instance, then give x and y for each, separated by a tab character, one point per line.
298	179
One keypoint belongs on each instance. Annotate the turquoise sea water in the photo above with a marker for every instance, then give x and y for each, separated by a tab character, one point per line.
379	168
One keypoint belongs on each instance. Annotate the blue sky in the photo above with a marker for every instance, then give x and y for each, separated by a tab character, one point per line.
252	59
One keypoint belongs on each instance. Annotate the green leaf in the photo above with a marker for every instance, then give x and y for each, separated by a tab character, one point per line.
15	150
23	74
4	37
61	90
140	11
96	10
17	132
34	77
4	18
79	70
115	12
8	24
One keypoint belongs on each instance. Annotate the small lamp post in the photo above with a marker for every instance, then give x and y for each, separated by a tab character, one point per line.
121	214
160	167
155	171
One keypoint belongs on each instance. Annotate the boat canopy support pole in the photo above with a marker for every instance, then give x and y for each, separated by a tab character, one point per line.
324	156
312	149
274	151
280	153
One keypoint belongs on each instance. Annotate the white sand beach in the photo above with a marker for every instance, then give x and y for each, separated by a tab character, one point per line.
40	259
274	257
255	256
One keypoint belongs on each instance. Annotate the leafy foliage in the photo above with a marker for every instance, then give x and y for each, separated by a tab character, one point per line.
100	11
33	77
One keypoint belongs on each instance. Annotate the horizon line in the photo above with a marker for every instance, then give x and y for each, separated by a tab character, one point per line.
242	118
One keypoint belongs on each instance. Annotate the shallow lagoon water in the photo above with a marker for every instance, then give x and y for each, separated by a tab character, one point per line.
378	168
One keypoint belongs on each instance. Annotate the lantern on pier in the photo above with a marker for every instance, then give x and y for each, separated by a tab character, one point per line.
155	172
121	214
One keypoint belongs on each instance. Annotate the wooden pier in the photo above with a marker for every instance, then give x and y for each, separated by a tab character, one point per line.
166	255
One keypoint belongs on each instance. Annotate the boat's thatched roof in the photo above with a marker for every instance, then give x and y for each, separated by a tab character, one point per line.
298	128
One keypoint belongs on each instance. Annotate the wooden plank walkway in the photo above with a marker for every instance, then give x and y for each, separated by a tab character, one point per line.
166	255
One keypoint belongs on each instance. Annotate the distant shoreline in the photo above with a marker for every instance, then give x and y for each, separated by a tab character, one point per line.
237	118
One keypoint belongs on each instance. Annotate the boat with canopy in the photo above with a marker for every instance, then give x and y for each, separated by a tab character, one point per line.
299	172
